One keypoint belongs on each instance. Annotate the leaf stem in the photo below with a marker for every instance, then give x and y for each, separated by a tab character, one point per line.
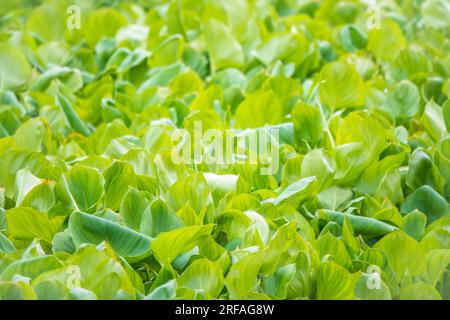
325	123
314	93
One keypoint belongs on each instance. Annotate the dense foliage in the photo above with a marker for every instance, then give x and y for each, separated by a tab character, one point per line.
93	206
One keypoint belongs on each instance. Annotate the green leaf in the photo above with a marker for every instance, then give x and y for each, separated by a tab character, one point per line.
328	245
71	78
81	294
192	190
85	186
421	170
385	42
296	193
414	224
30	268
235	224
341	86
15	71
319	164
446	114
334	197
437	262
419	291
410	64
426	200
220	184
118	178
34	135
259	109
99	269
101	23
403	252
28	224
368	227
277	47
158	218
162	76
353	38
86	228
132	208
133	59
260	224
382	179
351	160
350	241
224	50
403	101
51	290
433	120
435	13
333	282
6	246
242	277
41	197
277	246
203	275
167	52
16	291
276	284
75	122
25	181
9	121
438	238
48	22
166	291
168	245
63	242
307	124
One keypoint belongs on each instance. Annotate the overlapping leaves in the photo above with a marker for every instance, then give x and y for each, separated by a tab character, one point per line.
93	205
